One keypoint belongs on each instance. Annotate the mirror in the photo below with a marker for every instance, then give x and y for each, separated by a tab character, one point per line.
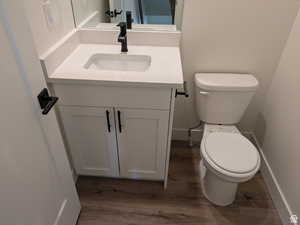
145	14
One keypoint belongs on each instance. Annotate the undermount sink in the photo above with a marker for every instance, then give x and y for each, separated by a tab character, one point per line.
118	62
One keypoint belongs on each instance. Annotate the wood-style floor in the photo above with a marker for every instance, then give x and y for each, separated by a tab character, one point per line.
127	202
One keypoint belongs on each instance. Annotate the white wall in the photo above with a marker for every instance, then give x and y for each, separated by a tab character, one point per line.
233	36
44	36
278	124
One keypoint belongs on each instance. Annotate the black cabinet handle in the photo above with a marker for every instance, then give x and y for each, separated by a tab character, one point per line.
46	101
108	121
119	121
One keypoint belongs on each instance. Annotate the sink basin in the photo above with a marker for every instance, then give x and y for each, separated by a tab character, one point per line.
118	62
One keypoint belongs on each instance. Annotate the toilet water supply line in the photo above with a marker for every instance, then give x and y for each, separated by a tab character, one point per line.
190	133
190	130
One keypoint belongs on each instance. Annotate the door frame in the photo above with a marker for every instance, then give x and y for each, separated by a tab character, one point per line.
21	40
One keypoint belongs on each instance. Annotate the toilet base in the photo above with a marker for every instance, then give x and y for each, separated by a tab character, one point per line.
215	189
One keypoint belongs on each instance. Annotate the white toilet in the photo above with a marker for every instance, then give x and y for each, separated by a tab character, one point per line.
228	158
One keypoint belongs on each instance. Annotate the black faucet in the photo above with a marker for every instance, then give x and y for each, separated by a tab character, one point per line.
129	19
123	36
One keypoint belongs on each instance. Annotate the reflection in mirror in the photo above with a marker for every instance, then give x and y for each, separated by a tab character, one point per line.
144	14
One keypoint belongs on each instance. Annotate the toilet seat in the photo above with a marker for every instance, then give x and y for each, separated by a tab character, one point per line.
231	151
230	155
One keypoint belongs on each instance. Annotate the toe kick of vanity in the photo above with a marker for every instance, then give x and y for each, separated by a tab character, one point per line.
116	132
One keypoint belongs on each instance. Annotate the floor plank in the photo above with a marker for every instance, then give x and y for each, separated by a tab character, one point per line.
126	202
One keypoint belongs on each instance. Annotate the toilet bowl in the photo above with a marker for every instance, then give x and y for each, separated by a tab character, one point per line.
228	158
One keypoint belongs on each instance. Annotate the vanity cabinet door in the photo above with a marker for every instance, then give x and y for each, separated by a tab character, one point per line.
142	142
91	139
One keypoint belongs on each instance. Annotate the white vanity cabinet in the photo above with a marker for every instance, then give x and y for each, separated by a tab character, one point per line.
142	142
91	143
117	131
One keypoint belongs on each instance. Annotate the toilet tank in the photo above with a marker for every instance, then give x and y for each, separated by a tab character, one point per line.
222	98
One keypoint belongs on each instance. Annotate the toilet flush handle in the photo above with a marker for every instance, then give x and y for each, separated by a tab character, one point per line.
204	93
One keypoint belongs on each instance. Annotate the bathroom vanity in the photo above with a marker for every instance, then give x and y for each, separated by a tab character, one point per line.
116	80
116	110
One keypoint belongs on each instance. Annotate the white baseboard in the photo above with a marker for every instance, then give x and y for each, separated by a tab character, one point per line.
274	189
181	134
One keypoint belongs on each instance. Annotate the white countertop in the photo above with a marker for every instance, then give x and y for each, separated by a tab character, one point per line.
165	69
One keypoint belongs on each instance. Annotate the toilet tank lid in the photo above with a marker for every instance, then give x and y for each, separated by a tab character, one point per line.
226	82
